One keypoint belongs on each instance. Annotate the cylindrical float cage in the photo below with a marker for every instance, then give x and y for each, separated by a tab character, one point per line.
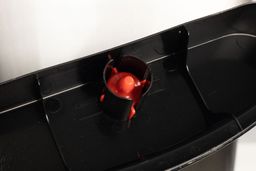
115	106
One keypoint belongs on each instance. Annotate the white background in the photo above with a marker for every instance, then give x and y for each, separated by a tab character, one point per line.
35	34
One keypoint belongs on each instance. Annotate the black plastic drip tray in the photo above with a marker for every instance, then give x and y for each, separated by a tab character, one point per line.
224	71
202	98
169	116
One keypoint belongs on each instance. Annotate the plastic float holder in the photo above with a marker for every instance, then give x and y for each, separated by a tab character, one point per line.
127	81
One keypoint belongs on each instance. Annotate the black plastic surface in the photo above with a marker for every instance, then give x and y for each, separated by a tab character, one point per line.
86	144
25	142
18	92
226	73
